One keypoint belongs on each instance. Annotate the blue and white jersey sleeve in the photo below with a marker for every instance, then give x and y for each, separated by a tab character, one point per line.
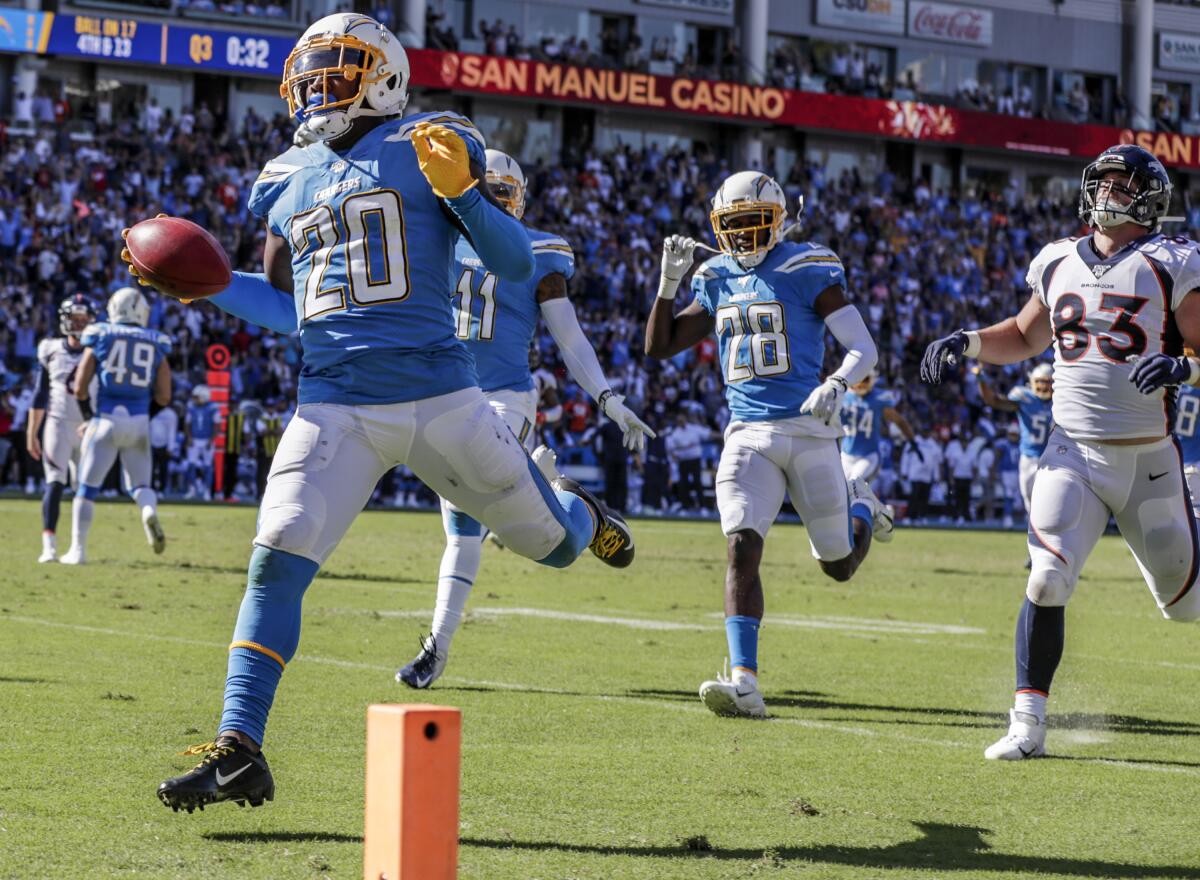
272	182
553	256
815	268
456	122
705	273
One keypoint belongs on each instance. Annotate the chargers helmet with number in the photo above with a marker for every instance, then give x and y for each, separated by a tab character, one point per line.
1041	380
747	216
74	314
1141	196
128	306
506	180
357	49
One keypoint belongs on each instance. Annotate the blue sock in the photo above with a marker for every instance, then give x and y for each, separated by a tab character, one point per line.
1041	633
741	632
863	513
573	514
265	638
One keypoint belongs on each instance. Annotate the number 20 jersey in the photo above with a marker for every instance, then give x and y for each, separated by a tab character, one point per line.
1104	312
771	339
372	266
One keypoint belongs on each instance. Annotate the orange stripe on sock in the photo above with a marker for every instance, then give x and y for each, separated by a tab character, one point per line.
753	672
262	649
1033	691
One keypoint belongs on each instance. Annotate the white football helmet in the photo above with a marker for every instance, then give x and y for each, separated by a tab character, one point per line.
867	383
201	394
1041	380
747	216
353	48
506	180
128	306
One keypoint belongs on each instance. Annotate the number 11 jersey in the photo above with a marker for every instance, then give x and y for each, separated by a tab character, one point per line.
771	339
1105	312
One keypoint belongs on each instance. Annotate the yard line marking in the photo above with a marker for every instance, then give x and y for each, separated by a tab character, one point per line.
872	625
609	698
574	617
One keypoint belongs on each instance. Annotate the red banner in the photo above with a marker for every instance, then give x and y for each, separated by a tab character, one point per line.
909	120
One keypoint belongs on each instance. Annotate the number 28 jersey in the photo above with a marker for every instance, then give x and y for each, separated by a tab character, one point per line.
127	359
770	337
1104	312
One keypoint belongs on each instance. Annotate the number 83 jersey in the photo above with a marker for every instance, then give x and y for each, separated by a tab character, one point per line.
771	339
1105	312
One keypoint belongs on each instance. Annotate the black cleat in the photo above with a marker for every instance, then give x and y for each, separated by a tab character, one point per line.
228	772
613	542
426	668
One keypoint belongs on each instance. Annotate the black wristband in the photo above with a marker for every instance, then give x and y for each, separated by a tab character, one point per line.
603	398
85	408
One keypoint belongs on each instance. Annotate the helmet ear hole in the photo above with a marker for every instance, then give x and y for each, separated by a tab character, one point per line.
391	82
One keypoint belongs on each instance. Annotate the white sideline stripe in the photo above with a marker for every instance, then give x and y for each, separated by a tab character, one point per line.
523	688
867	624
548	614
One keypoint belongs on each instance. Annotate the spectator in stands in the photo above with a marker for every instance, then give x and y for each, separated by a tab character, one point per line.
685	448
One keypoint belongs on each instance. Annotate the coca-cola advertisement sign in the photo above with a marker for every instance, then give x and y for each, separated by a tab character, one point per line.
949	23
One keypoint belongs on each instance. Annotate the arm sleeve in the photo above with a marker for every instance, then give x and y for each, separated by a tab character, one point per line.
41	394
848	327
498	237
252	298
577	353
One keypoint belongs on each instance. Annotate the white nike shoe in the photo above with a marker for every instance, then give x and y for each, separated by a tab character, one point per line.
426	668
49	549
733	699
154	530
1026	738
883	515
74	556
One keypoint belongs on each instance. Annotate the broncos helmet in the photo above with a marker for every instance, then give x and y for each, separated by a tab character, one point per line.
1141	196
74	314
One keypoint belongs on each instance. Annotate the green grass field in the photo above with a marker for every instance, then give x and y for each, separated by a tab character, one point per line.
586	753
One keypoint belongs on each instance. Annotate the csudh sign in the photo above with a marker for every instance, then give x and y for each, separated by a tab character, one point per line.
949	23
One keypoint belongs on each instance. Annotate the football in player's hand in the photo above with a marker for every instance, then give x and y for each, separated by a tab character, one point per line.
178	257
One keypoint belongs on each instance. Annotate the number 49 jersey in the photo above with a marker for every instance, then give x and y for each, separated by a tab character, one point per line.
1103	313
127	359
771	339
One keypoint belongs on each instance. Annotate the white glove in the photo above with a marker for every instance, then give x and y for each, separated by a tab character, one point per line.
676	260
826	399
634	429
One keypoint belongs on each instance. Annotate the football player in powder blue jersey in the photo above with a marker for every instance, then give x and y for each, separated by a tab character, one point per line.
770	301
496	319
1187	411
1032	404
866	409
129	362
362	223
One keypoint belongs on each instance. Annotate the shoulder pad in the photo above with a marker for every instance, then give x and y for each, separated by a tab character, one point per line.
808	255
476	144
93	332
163	341
708	269
272	180
46	348
552	253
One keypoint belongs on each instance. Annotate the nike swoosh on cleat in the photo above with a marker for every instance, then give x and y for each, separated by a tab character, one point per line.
1156	476
1026	753
225	780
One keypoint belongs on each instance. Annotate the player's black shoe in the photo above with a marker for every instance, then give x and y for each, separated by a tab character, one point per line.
613	543
228	772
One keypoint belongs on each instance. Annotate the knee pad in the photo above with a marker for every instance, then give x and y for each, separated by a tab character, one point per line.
292	516
1048	587
480	449
824	491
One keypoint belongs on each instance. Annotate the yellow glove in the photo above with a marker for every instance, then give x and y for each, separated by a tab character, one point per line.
443	158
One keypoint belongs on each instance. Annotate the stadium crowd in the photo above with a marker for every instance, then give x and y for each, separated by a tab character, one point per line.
919	264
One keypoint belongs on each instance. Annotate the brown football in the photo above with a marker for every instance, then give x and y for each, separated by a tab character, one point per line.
179	255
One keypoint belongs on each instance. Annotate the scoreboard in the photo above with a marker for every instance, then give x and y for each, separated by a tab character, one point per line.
122	38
